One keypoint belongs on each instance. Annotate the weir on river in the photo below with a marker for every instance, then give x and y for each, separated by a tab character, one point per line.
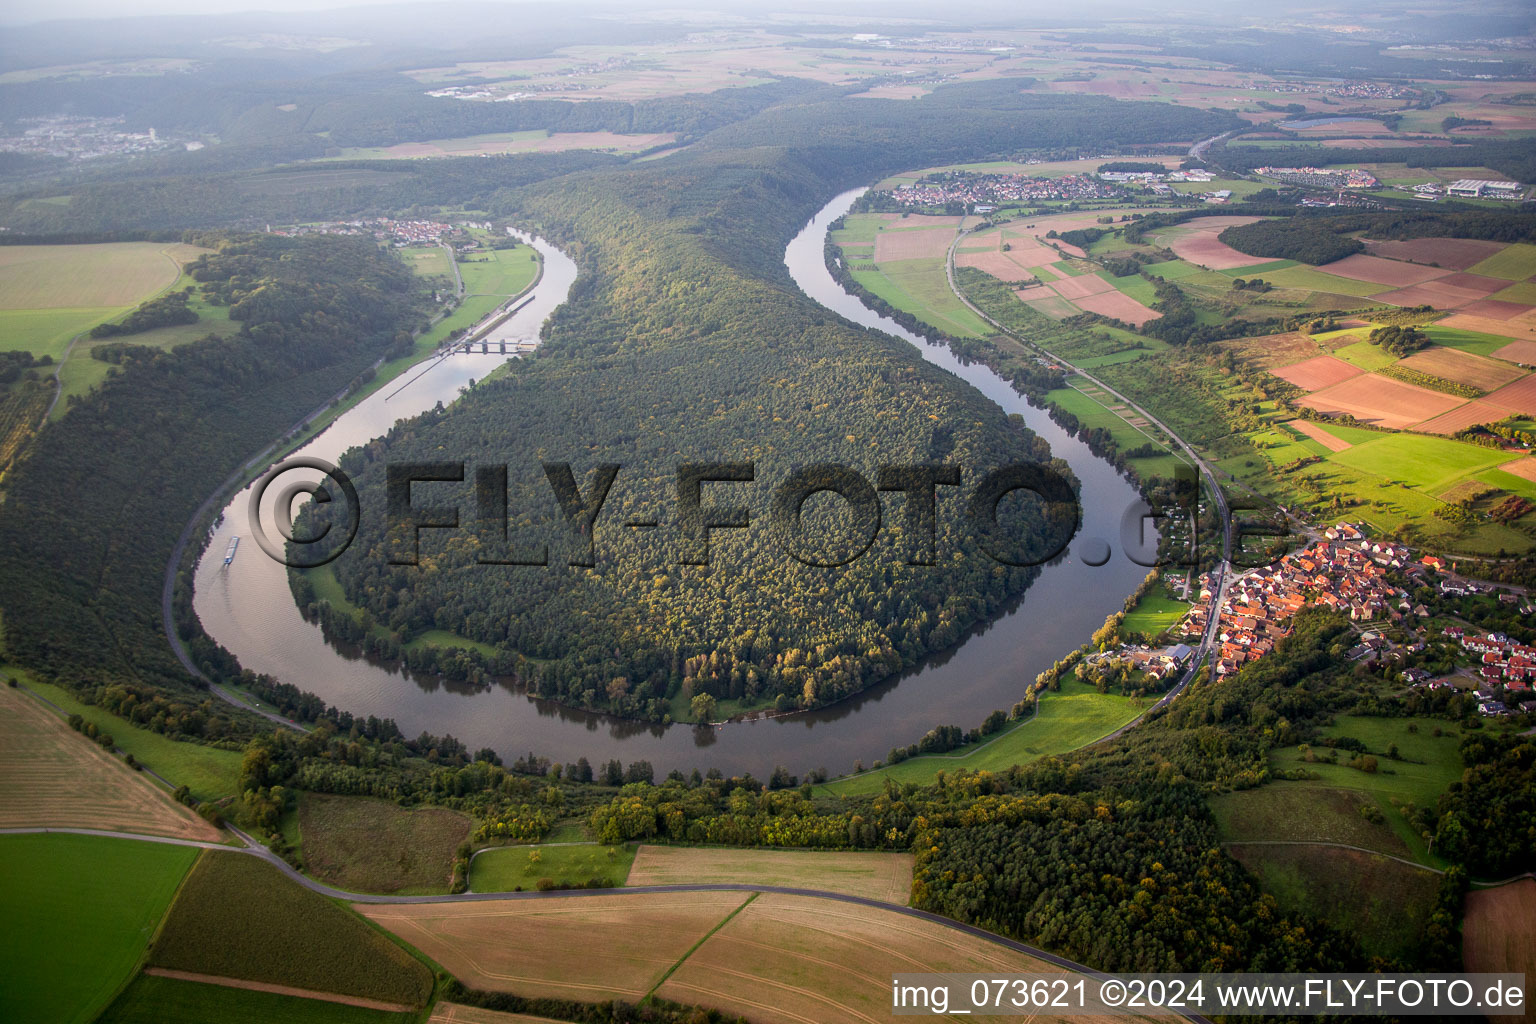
249	609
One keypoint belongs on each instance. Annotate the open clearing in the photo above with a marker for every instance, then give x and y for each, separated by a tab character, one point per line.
1432	463
78	912
880	876
511	868
1384	902
368	845
1380	400
52	776
1463	367
1499	933
50	293
579	947
1317	373
161	1000
1288	812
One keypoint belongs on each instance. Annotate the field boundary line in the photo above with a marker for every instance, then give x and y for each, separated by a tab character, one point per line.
282	990
695	947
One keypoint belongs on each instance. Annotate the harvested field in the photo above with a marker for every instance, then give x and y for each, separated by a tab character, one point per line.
586	947
801	960
73	276
1463	367
1475	282
1484	325
1201	246
1120	306
458	1013
1455	253
1001	265
1361	267
880	876
1081	286
1519	397
1318	434
1469	415
282	990
1499	933
1381	401
921	220
1317	373
1268	351
538	141
1524	468
1437	294
911	245
52	776
1495	309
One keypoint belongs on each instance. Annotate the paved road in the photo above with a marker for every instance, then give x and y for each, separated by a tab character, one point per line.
1223	568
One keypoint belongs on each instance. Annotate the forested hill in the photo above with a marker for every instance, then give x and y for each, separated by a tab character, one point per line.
91	516
684	341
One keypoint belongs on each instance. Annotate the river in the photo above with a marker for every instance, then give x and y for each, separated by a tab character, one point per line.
247	606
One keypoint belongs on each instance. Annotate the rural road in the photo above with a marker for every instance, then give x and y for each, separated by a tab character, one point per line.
255	848
1223	568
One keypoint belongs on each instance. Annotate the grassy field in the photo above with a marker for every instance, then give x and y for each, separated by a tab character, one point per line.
78	913
367	845
1475	342
1154	613
1512	263
1293	812
207	771
1430	463
1072	718
427	261
506	868
1365	355
1499	934
1310	279
1386	904
153	1000
919	287
880	876
52	776
499	272
239	917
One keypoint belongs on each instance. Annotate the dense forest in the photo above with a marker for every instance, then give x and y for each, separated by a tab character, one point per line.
1304	239
91	517
674	349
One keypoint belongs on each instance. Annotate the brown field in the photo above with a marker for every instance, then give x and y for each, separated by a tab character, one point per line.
52	776
1463	367
1499	934
1475	283
1202	248
1467	490
586	947
1524	468
1432	293
911	245
1380	400
1120	306
1317	373
1519	396
458	1013
1516	329
1001	265
1518	352
366	845
1496	309
879	876
1267	351
1361	127
1454	253
1396	273
1469	415
800	960
1082	286
1321	436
